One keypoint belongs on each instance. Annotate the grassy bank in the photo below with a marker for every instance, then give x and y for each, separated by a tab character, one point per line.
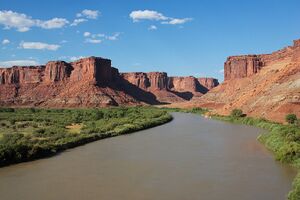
27	134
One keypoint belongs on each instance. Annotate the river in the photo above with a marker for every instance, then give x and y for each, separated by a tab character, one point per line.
188	158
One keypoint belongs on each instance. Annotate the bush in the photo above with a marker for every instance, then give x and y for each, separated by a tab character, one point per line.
237	113
291	118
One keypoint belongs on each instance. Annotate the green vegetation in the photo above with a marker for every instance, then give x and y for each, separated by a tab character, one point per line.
291	118
29	133
236	113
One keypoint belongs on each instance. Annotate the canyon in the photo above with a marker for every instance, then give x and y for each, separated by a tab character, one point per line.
264	86
93	82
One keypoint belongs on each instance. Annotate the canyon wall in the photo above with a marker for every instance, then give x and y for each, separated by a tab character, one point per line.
247	65
161	81
266	85
93	81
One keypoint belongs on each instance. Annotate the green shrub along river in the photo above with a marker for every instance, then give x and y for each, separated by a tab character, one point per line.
28	133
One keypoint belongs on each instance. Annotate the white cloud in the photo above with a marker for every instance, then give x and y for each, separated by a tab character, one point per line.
94	41
146	15
113	37
138	15
53	23
19	21
90	14
98	35
23	23
39	46
77	21
73	58
152	27
63	41
221	71
11	63
5	41
86	34
175	21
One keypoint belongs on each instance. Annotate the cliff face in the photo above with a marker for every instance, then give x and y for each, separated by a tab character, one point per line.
265	85
57	71
241	66
208	83
21	75
170	89
147	81
91	82
247	65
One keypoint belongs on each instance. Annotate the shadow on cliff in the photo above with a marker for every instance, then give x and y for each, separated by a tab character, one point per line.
200	88
185	95
136	92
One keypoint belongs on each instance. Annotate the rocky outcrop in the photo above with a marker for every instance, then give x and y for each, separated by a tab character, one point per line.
247	65
21	75
57	71
208	83
266	86
93	69
242	66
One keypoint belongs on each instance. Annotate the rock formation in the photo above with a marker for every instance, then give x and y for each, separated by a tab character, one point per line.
247	65
266	86
242	66
91	82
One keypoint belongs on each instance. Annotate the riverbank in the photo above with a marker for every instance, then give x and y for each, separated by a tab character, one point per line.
28	134
282	140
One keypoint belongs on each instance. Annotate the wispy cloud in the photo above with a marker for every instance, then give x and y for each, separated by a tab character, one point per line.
90	14
99	37
24	23
39	46
73	58
153	15
52	23
152	27
113	37
11	63
177	21
5	41
86	34
94	41
78	21
138	15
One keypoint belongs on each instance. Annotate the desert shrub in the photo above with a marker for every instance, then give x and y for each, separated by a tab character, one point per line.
7	110
236	113
291	118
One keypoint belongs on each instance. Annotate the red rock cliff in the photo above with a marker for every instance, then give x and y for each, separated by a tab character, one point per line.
242	66
147	81
93	69
209	83
57	71
247	65
21	75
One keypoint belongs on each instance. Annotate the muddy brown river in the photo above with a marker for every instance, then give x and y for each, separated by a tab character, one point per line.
186	159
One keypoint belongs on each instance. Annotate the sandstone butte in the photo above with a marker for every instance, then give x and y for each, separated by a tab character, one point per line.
93	82
266	86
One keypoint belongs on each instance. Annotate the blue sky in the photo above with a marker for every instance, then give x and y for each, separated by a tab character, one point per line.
191	37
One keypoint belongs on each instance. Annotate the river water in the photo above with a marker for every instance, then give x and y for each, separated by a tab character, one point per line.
186	159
